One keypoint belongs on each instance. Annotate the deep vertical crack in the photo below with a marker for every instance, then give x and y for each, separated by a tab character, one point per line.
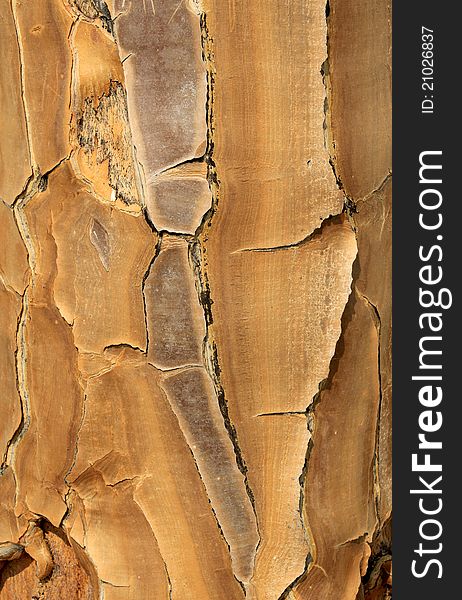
349	205
20	363
147	273
197	252
32	186
35	185
378	325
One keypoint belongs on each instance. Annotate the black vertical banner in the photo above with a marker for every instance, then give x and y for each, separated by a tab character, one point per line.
427	242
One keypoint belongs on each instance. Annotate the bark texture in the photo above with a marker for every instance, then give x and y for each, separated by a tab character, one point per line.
195	290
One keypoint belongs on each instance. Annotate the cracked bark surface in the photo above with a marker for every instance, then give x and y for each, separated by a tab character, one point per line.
195	300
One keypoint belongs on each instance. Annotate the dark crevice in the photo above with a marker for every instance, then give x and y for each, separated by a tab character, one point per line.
122	346
378	324
283	413
378	573
299	579
146	275
187	161
178	234
314	235
124	480
197	255
349	205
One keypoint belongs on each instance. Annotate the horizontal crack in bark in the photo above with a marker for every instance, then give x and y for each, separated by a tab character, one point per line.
313	236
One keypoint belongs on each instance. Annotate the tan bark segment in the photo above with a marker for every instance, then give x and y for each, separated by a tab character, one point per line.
14	270
15	167
167	485
339	485
268	121
42	459
277	303
358	117
89	271
267	334
360	93
14	267
323	585
266	330
373	222
178	204
131	563
10	310
43	29
359	82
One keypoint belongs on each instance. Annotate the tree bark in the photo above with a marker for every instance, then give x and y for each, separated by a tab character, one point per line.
195	289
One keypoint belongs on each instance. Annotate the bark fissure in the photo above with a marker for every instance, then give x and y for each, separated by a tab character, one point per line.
286	593
378	324
21	345
74	461
146	275
311	237
211	364
198	262
329	141
311	425
20	355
